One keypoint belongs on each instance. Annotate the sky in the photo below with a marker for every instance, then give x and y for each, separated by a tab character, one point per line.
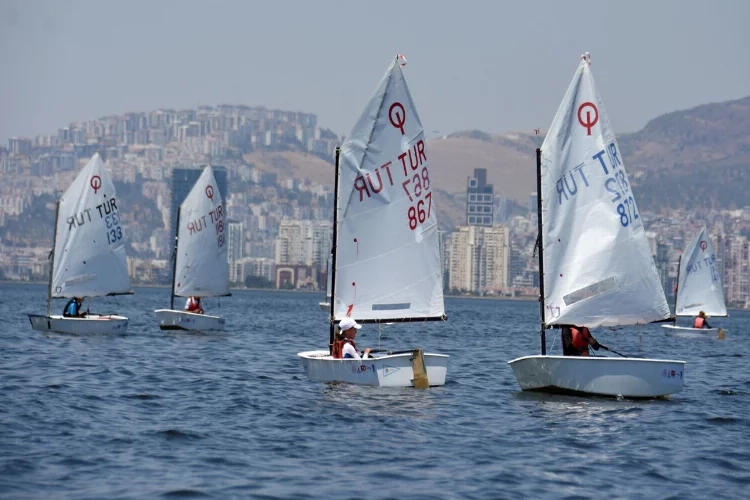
492	65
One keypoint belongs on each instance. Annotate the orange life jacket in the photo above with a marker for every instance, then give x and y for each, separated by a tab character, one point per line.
581	337
699	322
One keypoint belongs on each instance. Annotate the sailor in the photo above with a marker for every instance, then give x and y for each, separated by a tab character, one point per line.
701	321
576	341
349	329
193	305
73	308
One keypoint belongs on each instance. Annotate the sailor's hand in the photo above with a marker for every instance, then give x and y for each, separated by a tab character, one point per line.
595	345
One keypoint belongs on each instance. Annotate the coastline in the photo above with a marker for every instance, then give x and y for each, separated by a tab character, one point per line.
147	285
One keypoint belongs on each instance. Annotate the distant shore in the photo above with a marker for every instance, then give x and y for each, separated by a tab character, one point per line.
451	296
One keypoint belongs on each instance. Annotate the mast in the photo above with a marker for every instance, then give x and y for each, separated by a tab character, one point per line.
52	263
333	249
174	259
540	243
677	289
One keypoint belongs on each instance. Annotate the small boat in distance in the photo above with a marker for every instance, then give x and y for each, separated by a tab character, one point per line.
88	254
699	288
200	265
595	265
386	265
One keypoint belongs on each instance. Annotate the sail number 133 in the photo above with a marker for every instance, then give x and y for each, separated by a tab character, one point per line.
418	189
114	231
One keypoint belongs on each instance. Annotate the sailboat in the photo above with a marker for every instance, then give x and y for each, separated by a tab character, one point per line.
88	254
699	288
326	304
200	264
595	265
386	265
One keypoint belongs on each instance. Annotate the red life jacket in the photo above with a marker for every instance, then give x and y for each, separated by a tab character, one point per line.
699	322
194	304
581	337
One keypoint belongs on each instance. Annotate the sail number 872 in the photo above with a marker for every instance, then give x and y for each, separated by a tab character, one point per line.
420	188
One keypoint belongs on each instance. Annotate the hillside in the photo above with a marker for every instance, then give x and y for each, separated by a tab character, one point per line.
698	157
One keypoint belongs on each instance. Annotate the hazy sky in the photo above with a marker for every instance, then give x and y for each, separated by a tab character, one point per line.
493	65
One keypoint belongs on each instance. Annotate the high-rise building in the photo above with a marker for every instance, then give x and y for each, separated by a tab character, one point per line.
533	201
20	146
479	259
661	259
235	252
737	268
183	180
479	199
303	242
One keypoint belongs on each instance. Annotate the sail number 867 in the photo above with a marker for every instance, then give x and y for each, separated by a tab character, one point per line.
420	188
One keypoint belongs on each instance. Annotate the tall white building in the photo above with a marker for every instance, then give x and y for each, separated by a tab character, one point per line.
479	259
303	242
236	248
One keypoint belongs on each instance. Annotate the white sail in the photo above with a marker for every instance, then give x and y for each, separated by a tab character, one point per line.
598	268
700	287
387	257
89	254
202	268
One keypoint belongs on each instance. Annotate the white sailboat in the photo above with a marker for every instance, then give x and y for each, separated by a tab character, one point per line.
595	265
326	304
200	266
699	288
88	255
386	264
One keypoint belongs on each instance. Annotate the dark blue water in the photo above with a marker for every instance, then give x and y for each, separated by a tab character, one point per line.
155	414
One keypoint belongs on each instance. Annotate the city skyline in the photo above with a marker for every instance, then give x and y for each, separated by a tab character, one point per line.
459	77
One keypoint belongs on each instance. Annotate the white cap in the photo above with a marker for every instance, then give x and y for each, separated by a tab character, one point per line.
347	323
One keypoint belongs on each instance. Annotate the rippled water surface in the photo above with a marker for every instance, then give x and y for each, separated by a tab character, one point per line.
156	414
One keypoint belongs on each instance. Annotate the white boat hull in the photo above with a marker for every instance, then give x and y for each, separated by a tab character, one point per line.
694	333
324	306
91	324
394	370
170	319
599	376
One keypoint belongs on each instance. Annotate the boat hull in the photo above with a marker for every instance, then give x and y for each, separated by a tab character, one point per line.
170	319
324	306
599	376
91	324
394	370
694	333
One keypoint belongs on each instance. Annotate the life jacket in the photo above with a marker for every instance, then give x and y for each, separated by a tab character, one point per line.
193	304
580	337
71	309
699	322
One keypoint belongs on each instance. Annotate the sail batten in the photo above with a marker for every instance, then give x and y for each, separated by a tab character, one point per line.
388	265
202	267
89	254
700	287
598	267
